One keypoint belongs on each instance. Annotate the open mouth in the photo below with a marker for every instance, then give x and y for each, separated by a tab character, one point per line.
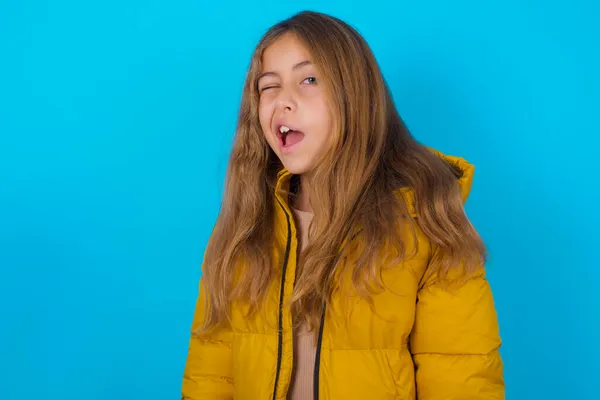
288	137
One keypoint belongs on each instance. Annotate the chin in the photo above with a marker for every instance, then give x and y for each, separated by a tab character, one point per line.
296	167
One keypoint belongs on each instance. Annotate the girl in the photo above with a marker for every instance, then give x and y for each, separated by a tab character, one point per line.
342	265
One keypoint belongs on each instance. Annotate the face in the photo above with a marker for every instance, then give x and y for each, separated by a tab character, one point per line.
293	108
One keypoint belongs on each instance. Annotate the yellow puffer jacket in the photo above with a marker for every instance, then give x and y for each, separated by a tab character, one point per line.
419	341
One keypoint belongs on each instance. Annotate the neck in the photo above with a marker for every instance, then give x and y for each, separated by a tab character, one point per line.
302	202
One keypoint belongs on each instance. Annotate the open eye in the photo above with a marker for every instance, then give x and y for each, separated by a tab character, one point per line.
311	80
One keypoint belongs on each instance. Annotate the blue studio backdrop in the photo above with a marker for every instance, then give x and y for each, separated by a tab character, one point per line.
116	119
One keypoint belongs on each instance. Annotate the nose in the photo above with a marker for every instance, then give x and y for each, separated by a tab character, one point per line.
286	101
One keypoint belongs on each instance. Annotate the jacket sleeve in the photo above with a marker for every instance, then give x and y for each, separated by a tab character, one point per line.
207	374
455	342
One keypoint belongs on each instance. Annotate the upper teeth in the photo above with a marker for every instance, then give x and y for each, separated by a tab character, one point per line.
284	129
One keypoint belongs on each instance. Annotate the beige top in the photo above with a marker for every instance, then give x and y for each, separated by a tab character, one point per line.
301	387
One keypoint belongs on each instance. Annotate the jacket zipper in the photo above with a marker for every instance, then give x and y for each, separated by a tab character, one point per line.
281	293
320	337
318	355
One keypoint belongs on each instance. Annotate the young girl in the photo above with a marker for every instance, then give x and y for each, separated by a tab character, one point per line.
342	265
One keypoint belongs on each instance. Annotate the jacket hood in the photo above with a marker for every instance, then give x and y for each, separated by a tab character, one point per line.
464	171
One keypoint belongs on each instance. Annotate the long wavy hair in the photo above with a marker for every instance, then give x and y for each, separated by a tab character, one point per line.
356	183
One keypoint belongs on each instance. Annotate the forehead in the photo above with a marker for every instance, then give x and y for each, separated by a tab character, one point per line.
284	53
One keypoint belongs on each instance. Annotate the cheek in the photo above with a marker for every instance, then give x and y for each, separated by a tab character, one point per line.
264	115
326	129
324	116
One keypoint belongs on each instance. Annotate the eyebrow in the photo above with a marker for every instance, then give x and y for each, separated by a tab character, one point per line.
296	66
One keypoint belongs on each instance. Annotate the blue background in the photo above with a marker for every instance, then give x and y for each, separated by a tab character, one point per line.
116	119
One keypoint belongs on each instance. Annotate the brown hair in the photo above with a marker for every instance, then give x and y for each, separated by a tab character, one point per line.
355	184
